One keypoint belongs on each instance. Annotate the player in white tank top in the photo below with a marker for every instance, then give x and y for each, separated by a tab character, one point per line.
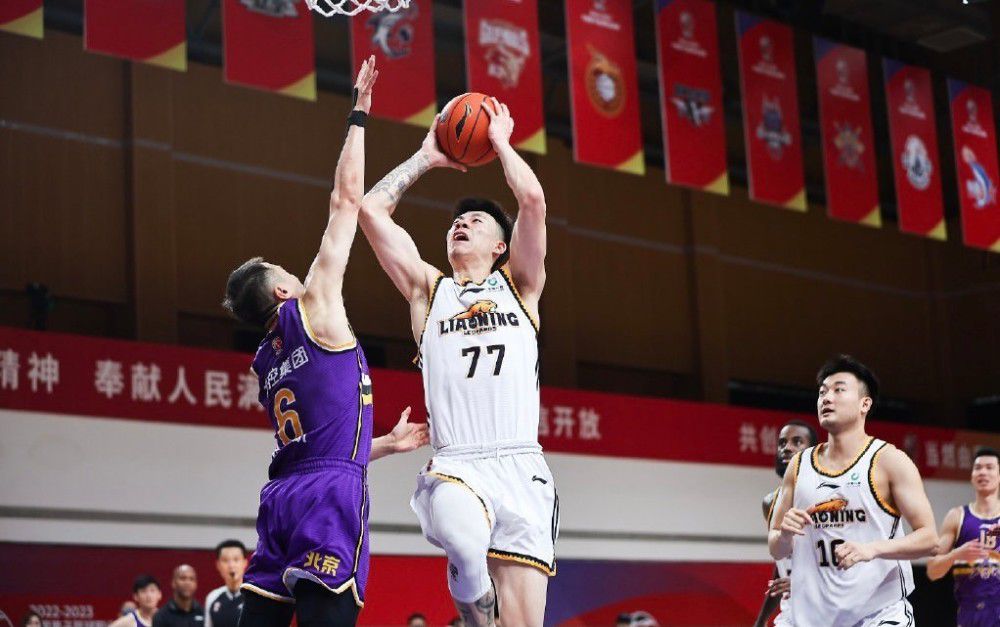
839	514
793	437
486	497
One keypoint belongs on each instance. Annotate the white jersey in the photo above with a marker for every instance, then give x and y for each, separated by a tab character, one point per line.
784	568
844	506
479	359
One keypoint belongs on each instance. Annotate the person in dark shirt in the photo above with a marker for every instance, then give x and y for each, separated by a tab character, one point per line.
182	610
224	604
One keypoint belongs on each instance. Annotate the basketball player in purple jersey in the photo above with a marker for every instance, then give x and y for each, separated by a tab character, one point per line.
312	548
968	547
487	496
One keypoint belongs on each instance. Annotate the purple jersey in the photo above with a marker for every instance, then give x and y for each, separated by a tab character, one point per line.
978	582
319	397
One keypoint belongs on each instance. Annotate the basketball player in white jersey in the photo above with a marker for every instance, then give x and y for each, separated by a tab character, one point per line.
487	496
793	437
840	509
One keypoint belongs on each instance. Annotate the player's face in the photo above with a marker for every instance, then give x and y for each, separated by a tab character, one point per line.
33	621
791	440
231	565
285	284
475	233
148	598
986	474
185	582
841	402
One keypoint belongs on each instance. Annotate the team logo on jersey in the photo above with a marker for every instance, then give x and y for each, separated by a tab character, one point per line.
834	512
479	317
276	345
393	33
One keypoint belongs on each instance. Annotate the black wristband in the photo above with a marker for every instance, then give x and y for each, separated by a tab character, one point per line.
356	118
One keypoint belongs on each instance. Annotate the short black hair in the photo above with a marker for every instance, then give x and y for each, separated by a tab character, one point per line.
230	544
495	211
142	581
805	425
248	295
846	363
985	451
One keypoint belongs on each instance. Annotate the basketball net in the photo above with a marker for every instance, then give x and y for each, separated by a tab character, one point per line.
329	8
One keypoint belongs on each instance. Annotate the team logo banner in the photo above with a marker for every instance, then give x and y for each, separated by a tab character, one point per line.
845	121
268	44
151	31
503	59
915	160
604	85
694	134
976	163
403	45
21	17
770	112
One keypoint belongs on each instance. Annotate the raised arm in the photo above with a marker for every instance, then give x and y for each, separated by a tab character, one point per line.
947	553
907	492
323	299
527	243
396	251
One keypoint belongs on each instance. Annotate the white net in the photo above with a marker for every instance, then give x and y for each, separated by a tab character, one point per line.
329	8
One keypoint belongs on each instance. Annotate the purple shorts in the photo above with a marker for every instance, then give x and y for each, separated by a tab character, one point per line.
982	613
312	524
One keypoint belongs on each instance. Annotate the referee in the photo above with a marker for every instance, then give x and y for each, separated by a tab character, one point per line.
224	604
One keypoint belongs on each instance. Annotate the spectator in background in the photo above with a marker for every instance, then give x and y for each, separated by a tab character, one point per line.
182	610
146	594
126	608
31	619
416	620
224	604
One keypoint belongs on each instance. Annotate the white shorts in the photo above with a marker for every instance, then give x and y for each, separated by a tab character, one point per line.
518	496
899	614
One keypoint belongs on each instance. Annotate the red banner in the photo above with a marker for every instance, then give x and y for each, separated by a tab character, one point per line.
770	112
845	121
975	141
151	31
84	376
503	59
403	45
603	84
21	17
269	46
910	100
694	132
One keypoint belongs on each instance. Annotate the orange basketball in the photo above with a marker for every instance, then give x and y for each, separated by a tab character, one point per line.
463	130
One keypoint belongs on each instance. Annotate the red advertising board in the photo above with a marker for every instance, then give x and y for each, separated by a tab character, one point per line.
151	31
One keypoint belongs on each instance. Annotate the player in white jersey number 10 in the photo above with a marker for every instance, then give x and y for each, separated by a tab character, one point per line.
487	496
840	508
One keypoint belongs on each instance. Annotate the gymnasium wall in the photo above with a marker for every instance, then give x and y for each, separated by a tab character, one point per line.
132	191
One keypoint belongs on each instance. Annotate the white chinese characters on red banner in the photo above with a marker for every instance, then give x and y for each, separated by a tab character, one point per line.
84	376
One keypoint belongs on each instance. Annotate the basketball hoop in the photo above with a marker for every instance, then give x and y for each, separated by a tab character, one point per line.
329	8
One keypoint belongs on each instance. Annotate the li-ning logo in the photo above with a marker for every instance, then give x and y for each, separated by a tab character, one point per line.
834	512
827	484
480	317
461	123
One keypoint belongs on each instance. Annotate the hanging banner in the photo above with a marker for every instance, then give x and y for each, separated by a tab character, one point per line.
268	45
915	161
403	45
845	122
603	84
694	132
770	112
151	31
503	59
21	17
975	140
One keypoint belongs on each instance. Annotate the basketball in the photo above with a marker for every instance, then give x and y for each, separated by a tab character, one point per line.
463	130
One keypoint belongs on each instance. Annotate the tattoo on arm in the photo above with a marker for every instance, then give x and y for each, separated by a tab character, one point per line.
399	180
